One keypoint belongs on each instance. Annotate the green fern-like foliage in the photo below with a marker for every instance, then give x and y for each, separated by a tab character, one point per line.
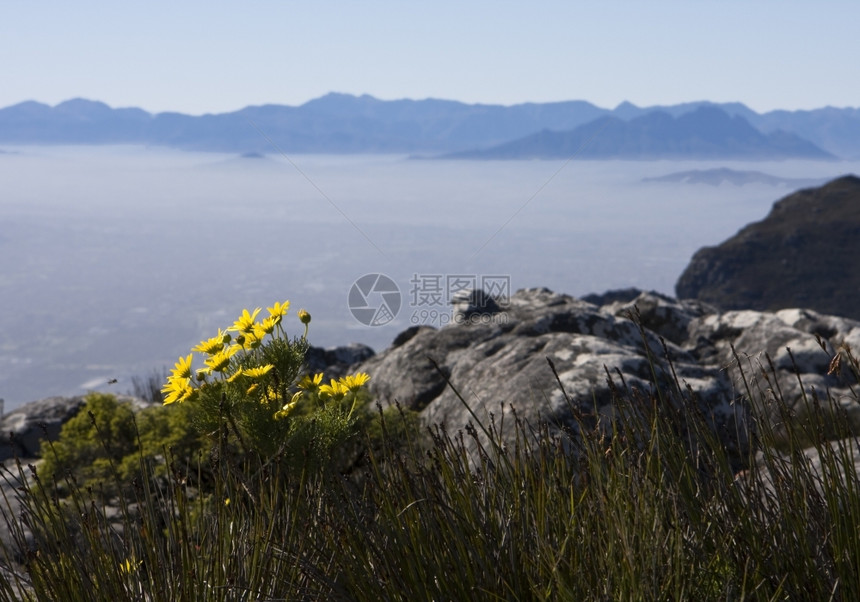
106	441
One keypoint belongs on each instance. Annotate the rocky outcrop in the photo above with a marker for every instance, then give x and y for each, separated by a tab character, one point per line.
500	366
22	432
501	363
803	254
794	347
619	294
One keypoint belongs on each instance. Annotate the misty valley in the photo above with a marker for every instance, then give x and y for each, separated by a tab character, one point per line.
115	259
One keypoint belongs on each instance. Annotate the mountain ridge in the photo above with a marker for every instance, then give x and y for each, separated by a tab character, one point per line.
799	255
705	133
344	123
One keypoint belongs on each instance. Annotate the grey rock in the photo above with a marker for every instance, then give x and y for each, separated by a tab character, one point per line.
499	363
18	582
335	362
470	304
839	467
783	345
667	317
842	449
15	535
22	429
500	366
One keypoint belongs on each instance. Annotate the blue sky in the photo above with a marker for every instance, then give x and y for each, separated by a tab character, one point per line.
215	56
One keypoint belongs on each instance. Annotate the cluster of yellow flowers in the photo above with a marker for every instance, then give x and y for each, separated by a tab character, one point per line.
186	384
220	349
335	390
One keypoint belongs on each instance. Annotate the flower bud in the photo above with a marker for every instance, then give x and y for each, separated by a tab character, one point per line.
304	316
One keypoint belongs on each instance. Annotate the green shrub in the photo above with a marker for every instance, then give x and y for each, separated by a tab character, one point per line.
104	443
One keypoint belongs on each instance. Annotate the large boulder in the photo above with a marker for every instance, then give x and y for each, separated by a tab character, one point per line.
500	362
803	254
499	365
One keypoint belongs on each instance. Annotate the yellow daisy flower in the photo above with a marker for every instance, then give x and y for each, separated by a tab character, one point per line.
310	383
271	395
258	372
255	338
268	326
182	369
211	346
335	390
177	389
278	310
219	361
245	322
248	341
354	382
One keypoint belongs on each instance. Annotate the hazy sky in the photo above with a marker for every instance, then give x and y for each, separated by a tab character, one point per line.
215	56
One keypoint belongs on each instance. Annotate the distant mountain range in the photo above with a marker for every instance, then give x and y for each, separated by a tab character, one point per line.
705	133
341	123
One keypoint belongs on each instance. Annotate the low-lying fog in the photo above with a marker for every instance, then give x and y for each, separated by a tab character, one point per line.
116	260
